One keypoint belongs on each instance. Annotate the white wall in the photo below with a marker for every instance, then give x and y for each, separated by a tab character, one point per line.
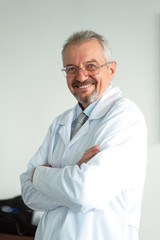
33	90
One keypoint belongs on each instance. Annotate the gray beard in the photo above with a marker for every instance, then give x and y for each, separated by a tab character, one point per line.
87	99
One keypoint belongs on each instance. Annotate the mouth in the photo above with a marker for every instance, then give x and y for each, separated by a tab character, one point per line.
85	92
85	85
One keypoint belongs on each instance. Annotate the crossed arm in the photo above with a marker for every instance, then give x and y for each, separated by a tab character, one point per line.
85	158
39	200
86	186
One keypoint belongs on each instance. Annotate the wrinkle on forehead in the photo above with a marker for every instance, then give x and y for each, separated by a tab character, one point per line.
79	54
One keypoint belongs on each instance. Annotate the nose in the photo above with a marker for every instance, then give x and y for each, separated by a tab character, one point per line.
81	76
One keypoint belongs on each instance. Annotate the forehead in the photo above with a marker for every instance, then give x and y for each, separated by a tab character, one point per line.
80	53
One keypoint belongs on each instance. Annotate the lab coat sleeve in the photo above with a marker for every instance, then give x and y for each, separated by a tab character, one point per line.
33	198
119	165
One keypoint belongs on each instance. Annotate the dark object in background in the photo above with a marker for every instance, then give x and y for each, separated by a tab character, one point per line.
16	217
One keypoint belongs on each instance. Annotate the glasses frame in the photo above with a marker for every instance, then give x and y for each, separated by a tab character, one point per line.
64	70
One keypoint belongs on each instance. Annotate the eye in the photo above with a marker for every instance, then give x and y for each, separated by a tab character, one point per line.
91	67
71	69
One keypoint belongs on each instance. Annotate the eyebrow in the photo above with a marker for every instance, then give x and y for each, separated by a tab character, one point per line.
90	61
69	65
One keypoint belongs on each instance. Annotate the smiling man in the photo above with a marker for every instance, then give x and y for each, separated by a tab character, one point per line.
88	174
88	75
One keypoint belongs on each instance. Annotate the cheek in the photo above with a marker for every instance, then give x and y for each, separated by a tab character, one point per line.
69	83
102	85
98	83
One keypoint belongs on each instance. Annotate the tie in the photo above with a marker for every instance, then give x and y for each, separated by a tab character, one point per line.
80	120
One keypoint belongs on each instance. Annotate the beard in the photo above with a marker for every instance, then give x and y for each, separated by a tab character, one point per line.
87	99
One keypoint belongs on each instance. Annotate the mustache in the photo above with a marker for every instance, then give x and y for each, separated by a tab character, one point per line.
77	83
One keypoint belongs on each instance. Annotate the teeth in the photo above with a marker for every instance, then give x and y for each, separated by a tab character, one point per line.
85	86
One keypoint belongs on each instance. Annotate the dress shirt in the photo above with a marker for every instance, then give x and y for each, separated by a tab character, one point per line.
101	199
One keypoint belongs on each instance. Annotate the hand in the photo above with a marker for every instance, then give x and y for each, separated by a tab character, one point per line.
89	154
45	165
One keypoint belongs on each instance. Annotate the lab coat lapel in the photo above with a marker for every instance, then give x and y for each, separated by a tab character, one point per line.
66	122
65	133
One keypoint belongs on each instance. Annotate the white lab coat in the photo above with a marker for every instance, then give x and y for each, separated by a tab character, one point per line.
101	200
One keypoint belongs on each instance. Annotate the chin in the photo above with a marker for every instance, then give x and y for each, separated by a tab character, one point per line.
87	99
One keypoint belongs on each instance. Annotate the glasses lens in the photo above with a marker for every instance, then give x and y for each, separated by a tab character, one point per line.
71	71
91	69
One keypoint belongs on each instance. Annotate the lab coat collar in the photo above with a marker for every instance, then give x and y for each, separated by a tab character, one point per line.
69	116
106	101
112	95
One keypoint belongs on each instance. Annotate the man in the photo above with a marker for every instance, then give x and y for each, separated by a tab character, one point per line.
89	183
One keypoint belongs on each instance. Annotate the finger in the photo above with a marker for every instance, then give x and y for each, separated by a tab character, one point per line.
89	154
96	147
92	151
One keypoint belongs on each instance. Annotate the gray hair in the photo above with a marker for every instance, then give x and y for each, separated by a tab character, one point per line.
84	36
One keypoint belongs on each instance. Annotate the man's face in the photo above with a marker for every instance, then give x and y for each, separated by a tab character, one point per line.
87	88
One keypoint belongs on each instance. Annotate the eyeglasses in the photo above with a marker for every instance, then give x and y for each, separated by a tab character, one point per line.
89	69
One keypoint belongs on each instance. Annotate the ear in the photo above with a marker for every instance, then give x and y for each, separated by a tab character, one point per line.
112	68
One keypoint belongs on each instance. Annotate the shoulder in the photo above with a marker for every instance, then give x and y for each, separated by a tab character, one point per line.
114	104
124	105
125	114
119	110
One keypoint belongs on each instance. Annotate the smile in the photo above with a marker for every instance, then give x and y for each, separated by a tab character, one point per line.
85	86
